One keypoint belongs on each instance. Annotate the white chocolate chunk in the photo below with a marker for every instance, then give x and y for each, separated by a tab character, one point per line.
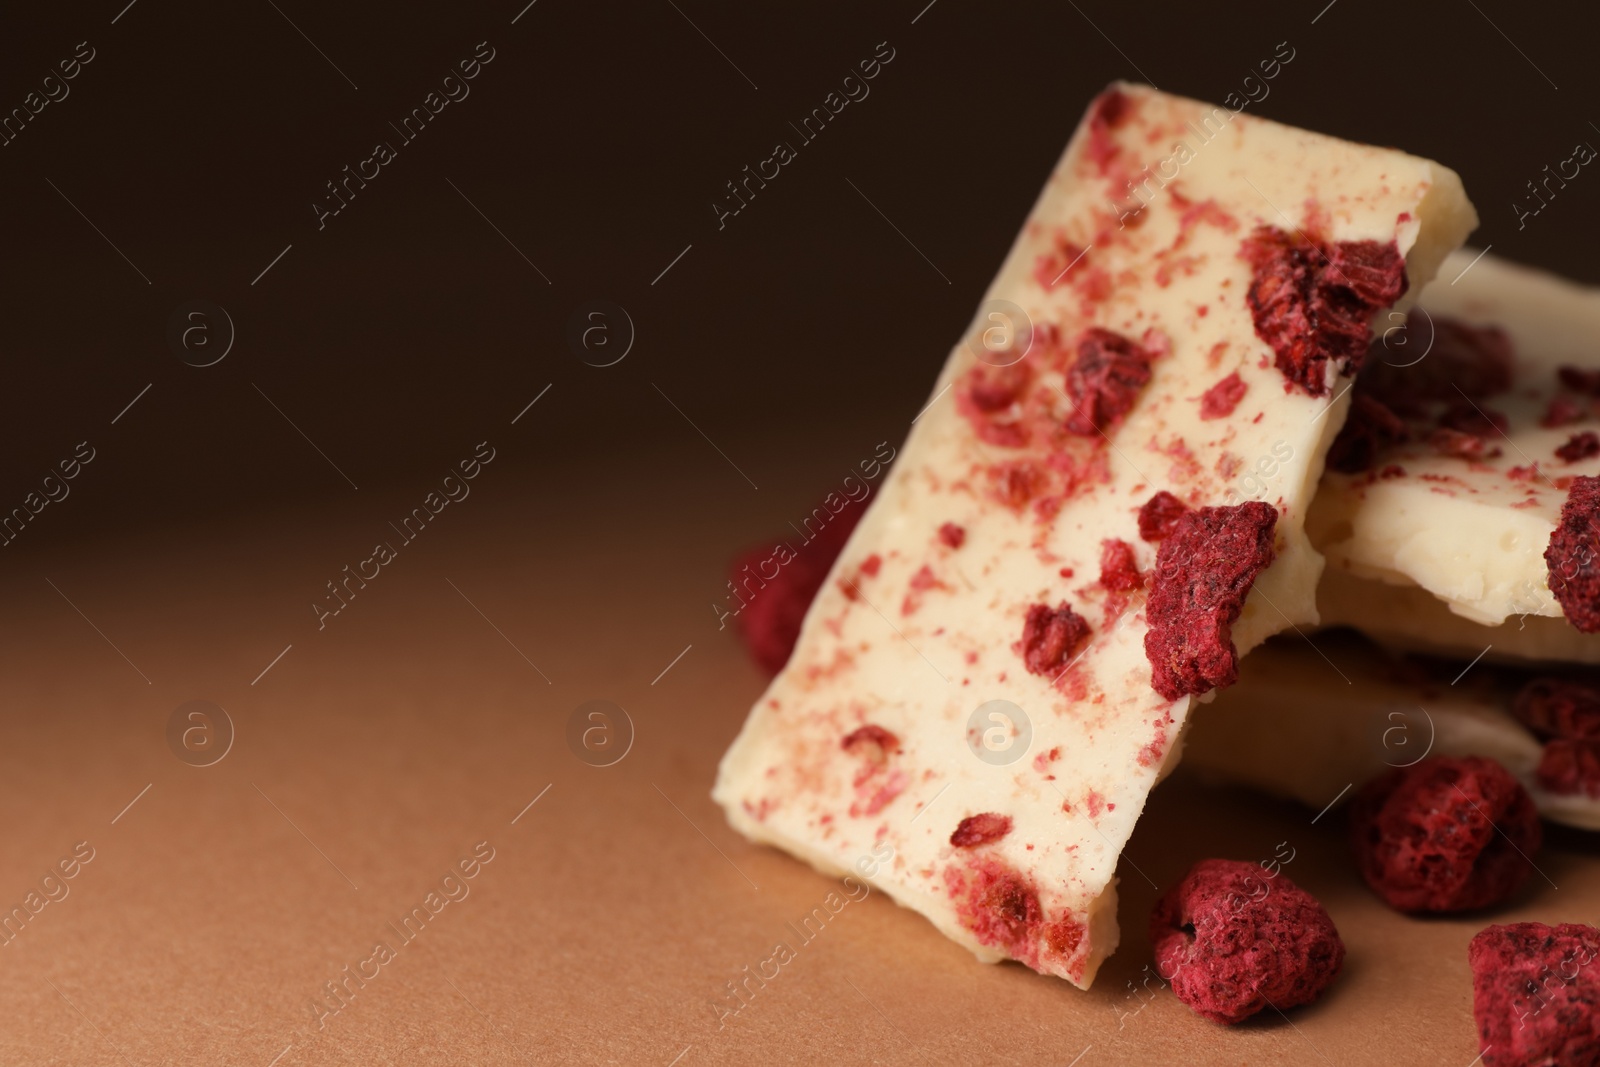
917	638
1473	534
1293	727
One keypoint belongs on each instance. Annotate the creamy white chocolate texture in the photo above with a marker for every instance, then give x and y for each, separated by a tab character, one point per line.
1295	728
1471	532
872	733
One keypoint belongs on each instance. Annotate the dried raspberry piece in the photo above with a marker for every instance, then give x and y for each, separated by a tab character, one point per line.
769	622
1446	834
1574	571
1219	401
1105	380
1474	419
1562	410
990	399
1158	515
1580	380
980	829
1204	571
1370	428
1108	112
1570	767
1460	445
1559	707
1536	994
1233	941
1313	302
1118	571
1456	359
952	535
1050	636
1579	446
873	741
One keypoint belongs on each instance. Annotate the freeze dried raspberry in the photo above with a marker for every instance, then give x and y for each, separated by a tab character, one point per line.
1118	571
1579	446
1313	302
1474	419
1536	994
1562	410
1233	941
1158	515
1458	445
1050	636
1559	707
775	606
990	399
1436	359
1370	428
1580	380
1570	768
1203	573
980	829
952	535
1570	556
1446	834
1219	401
1105	380
1108	112
872	740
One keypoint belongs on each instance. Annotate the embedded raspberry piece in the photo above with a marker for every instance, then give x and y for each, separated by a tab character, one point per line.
1158	515
1536	994
1231	941
775	604
1118	571
1460	445
980	829
1105	380
1579	446
1109	111
1570	768
1050	636
1562	410
1370	428
1571	557
1580	380
1203	573
1473	418
990	399
1446	834
1313	302
1219	401
872	740
1559	707
1437	359
952	535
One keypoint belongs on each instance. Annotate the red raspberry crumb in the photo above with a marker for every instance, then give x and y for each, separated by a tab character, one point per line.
1219	401
1158	515
1562	410
1118	571
1105	380
872	740
1570	767
1473	418
1535	995
1050	636
1559	707
1579	446
990	399
1574	571
980	829
1446	834
1370	428
1228	960
1460	445
774	607
952	535
1204	571
1313	302
1108	112
1580	380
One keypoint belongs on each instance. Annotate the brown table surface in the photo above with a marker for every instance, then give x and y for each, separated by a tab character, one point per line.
378	751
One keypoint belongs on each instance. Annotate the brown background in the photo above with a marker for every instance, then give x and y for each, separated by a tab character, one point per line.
408	330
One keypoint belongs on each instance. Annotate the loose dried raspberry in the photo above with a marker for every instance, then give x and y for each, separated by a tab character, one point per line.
1232	941
1446	834
1204	571
1159	514
769	622
1105	380
1562	410
1458	445
980	829
1570	556
1219	401
1559	707
1580	380
1474	419
952	535
1570	768
1579	446
1118	571
1313	302
1370	428
1050	636
1536	994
